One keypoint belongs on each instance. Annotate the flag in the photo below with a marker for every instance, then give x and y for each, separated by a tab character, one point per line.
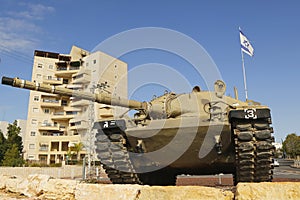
245	45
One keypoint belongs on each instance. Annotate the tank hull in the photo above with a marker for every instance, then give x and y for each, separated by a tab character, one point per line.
186	145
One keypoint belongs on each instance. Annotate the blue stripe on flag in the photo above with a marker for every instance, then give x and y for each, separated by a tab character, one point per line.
245	49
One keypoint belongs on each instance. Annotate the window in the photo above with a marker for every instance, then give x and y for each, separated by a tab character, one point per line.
38	76
94	61
34	121
32	133
64	102
47	110
36	98
31	157
44	148
115	66
35	110
50	66
49	77
87	64
65	81
31	146
40	65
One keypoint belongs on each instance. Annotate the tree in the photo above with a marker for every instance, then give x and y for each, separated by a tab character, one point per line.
12	157
2	146
13	136
77	148
13	147
291	145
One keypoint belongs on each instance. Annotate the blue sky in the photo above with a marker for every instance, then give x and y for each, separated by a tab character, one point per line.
272	27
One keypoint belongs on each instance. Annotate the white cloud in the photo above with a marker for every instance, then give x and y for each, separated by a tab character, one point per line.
18	30
17	34
33	11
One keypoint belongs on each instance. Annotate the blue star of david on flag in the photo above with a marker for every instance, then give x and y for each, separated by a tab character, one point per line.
245	45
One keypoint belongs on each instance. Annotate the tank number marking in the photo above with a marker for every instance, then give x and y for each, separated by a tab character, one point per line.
108	124
250	113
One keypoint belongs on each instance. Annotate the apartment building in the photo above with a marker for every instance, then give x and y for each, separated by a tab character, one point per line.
56	123
3	127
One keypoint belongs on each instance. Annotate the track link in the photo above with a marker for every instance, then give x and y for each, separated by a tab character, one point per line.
115	158
254	152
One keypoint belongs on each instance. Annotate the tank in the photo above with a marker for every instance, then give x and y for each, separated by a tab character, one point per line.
195	133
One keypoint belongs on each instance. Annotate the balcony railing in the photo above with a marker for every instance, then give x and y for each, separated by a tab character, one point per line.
66	70
79	125
64	115
81	102
44	148
50	103
49	127
52	80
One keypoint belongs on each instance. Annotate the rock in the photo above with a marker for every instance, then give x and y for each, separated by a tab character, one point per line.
43	187
107	192
59	189
3	180
12	183
279	190
138	192
32	185
184	192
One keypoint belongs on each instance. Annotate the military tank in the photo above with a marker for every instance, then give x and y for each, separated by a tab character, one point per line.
196	133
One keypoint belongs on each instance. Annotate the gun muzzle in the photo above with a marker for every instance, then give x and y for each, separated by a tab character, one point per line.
7	81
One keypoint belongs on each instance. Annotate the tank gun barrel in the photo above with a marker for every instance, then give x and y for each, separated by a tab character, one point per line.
99	98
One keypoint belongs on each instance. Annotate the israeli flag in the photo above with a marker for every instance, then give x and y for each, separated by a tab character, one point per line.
245	45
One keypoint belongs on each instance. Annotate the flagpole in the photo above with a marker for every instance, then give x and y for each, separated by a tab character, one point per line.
244	74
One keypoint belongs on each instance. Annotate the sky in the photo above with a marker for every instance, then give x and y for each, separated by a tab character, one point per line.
273	28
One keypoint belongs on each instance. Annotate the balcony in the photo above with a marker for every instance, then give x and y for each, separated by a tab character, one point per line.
81	78
51	103
70	108
80	102
44	147
57	143
48	127
74	86
79	125
66	69
52	81
64	115
44	94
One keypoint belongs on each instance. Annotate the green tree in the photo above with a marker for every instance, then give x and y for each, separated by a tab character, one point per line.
12	157
13	137
2	146
291	145
77	148
13	146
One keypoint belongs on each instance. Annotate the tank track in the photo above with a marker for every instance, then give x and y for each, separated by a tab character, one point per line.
112	151
254	152
115	158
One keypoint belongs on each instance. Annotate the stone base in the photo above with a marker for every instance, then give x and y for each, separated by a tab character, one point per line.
280	190
45	187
